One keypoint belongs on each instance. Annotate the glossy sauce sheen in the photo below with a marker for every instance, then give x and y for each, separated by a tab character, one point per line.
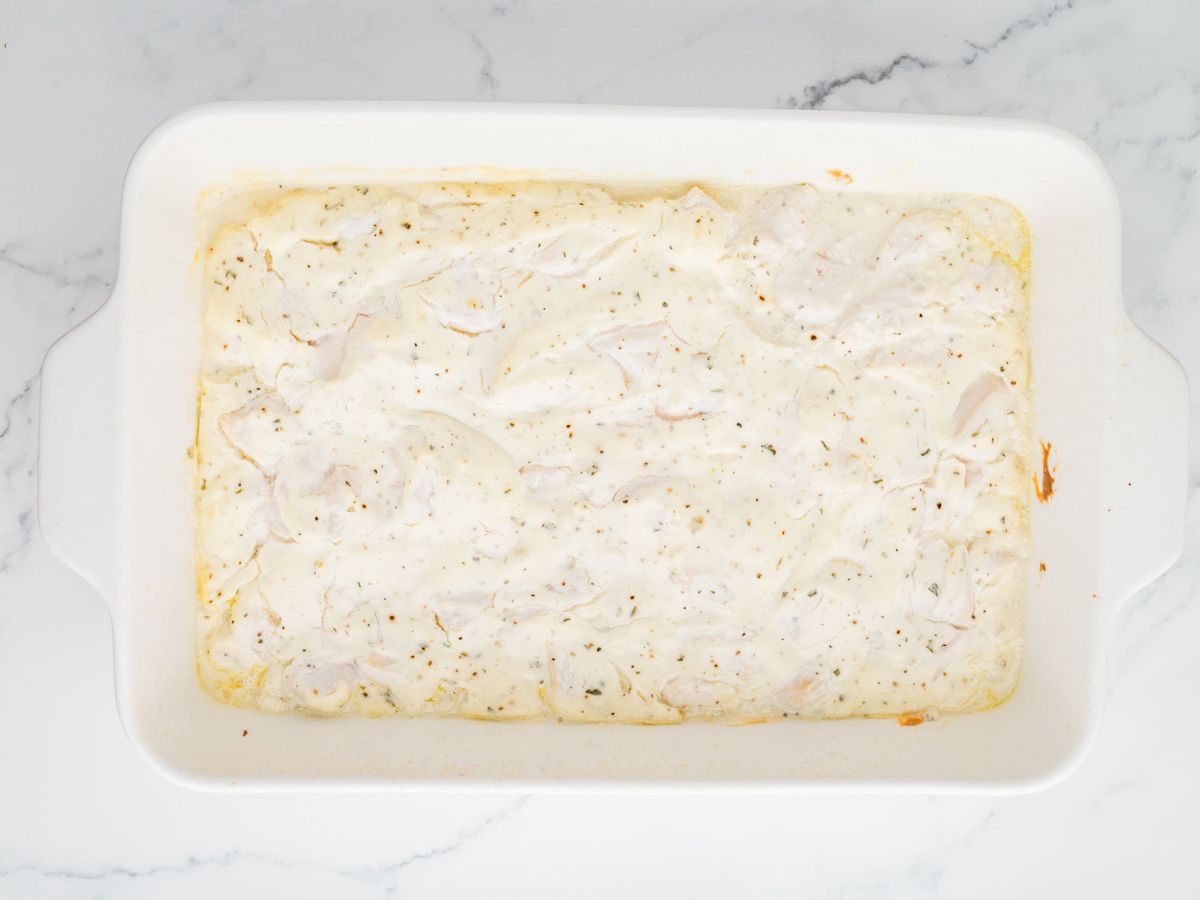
551	450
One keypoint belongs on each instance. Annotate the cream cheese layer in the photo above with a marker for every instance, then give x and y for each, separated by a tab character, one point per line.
554	450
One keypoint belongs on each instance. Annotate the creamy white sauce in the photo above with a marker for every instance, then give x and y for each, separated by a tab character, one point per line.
529	450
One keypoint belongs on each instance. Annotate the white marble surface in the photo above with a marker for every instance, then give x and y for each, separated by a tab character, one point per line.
82	816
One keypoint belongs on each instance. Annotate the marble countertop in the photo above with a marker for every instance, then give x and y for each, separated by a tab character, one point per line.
80	84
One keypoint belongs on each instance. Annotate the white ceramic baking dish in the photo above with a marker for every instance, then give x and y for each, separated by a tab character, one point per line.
118	418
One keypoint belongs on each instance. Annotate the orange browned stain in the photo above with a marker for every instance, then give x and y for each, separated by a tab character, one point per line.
1041	567
843	177
909	719
1045	490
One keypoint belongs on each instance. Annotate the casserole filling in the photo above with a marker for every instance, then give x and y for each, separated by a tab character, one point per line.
591	454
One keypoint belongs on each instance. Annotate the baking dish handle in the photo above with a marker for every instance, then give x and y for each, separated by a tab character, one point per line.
77	453
1146	474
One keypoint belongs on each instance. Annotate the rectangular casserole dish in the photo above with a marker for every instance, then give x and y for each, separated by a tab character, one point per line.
118	419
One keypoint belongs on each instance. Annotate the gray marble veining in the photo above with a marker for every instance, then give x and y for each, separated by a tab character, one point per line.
81	84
